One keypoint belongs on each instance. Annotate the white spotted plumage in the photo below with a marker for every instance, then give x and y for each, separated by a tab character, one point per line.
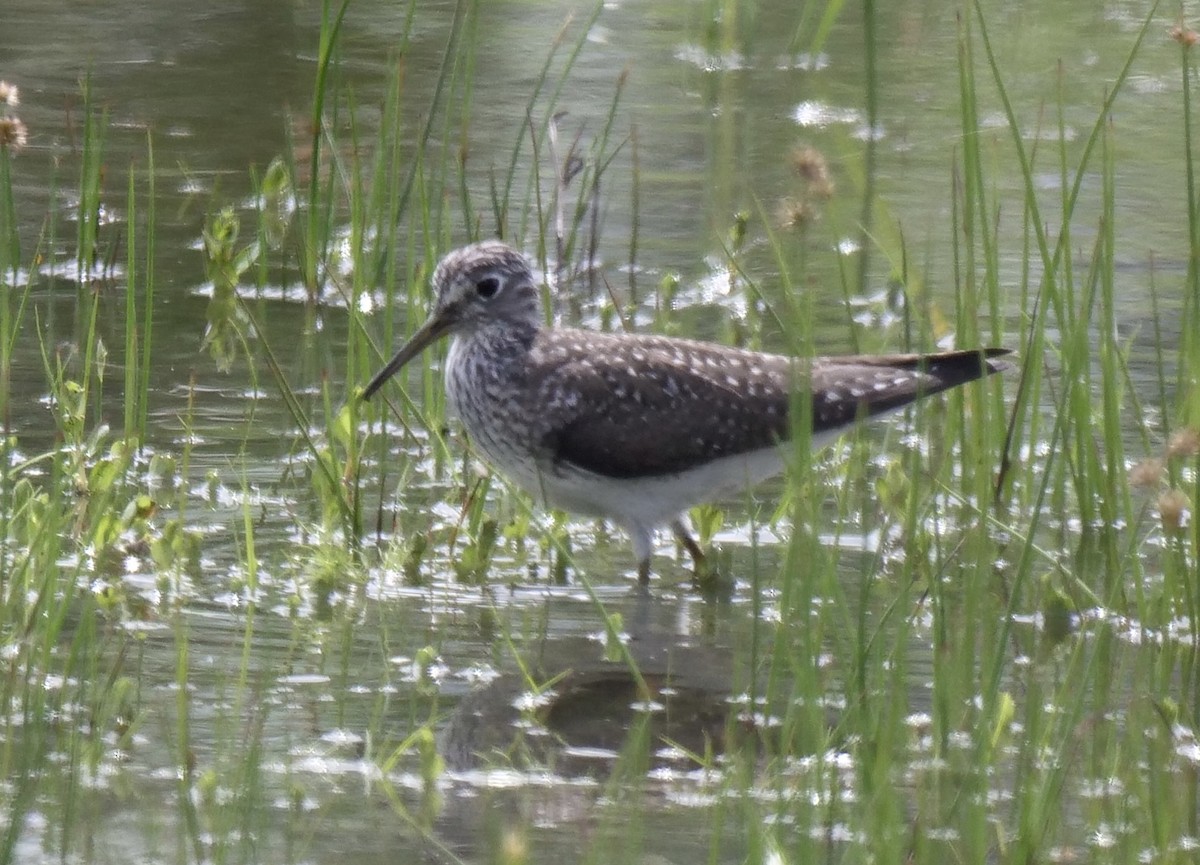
638	428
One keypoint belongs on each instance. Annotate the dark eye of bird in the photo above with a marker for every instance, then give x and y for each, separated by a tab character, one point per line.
487	287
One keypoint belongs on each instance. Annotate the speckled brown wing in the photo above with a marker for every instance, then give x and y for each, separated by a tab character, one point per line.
638	406
643	406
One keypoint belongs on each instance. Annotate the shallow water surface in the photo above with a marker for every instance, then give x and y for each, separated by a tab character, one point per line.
270	684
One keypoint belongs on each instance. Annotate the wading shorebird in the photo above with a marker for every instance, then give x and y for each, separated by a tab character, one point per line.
639	428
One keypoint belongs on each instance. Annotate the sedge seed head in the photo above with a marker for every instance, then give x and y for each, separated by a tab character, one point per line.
810	164
1172	506
13	134
1147	474
795	213
1184	35
1184	443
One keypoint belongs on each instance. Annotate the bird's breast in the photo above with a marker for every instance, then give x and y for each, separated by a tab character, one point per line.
484	384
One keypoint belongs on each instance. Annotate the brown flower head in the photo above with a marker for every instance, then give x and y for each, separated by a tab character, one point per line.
13	134
1146	474
810	163
1184	35
1184	442
1172	505
795	213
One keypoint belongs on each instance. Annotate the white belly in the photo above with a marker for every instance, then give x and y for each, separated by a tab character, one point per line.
652	501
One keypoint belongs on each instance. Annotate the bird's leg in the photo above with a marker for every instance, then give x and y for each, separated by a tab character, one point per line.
643	548
689	544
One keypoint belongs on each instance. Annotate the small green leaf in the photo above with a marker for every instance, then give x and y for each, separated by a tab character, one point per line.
1006	710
